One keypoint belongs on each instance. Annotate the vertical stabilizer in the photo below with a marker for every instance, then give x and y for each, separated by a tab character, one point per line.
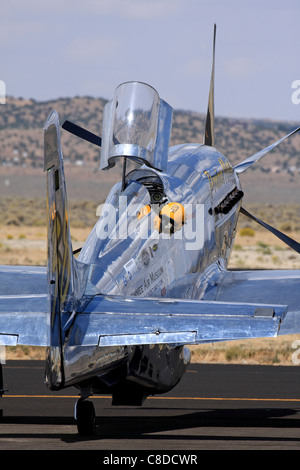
209	125
60	256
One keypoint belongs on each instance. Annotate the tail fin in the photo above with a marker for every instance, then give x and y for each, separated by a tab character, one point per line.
209	125
60	256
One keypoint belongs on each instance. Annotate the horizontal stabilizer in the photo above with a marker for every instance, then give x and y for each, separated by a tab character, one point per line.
280	287
24	320
24	307
244	165
111	321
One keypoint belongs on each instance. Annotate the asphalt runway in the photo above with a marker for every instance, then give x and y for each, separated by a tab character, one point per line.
215	407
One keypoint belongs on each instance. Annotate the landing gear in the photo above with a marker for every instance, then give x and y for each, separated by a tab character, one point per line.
85	417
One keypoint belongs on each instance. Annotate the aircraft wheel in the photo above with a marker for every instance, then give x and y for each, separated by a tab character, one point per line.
85	417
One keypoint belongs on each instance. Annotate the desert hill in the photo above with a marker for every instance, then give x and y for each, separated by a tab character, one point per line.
21	148
21	124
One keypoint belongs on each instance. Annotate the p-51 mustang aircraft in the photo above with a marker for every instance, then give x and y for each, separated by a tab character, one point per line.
152	276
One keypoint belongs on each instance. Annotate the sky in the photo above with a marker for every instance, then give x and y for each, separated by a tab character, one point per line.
64	48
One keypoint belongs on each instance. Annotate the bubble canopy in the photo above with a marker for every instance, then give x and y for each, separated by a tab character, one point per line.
136	125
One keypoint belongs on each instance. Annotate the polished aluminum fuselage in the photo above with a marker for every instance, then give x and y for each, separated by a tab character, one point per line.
156	266
199	177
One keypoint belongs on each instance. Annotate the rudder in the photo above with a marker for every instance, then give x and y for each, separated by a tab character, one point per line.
60	257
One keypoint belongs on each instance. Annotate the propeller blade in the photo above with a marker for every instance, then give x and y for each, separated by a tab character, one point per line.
209	137
240	167
82	133
287	240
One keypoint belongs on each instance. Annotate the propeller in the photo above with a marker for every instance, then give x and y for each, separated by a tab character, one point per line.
93	139
209	125
287	240
244	165
82	133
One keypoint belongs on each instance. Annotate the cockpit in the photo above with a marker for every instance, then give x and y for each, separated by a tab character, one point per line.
151	181
136	125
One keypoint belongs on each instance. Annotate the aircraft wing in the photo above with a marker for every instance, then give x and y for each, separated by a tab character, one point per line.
112	320
278	286
23	306
259	309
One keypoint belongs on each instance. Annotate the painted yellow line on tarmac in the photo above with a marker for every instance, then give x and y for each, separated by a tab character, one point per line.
162	398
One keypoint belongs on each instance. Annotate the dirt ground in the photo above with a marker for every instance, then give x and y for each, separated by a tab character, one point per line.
257	249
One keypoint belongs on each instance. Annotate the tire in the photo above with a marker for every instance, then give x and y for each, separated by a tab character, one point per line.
85	417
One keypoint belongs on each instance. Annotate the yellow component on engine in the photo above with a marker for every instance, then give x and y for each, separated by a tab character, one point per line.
170	218
144	211
174	212
157	223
